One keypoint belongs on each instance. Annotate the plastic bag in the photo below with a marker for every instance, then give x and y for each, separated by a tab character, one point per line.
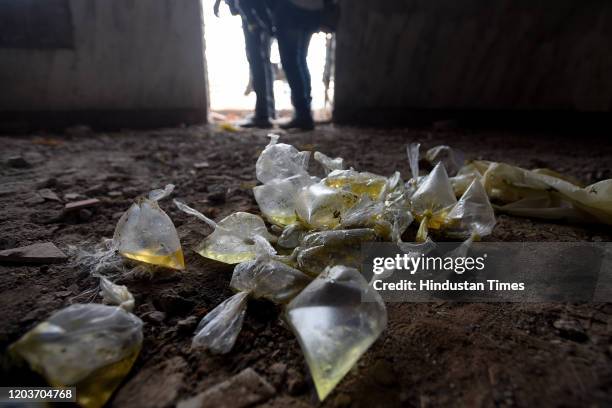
328	163
267	278
319	250
291	236
334	325
116	294
219	329
276	198
510	184
451	158
89	346
472	216
145	233
232	240
432	201
280	161
264	277
358	183
322	207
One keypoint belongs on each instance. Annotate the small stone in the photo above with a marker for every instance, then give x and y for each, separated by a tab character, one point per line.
118	215
47	182
245	389
342	400
72	196
295	382
115	194
96	189
48	194
35	200
77	205
571	330
18	162
278	368
155	386
41	253
188	324
155	317
202	165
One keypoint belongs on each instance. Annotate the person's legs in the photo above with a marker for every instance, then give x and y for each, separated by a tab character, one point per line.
257	44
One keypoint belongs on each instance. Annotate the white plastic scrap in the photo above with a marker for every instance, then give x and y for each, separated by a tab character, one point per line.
116	294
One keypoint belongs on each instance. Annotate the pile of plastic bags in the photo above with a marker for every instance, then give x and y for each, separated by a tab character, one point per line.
310	265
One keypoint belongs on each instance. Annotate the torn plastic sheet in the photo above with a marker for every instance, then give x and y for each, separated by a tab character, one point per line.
145	233
88	346
232	239
334	325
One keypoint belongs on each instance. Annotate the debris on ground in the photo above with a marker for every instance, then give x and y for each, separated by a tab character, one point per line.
40	253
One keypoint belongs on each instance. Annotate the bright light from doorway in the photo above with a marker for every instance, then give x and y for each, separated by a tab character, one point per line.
228	69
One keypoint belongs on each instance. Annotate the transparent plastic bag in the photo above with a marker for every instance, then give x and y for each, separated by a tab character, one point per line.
319	250
268	278
334	325
116	294
472	216
219	329
328	163
358	183
145	233
432	201
322	207
452	159
232	239
291	236
280	161
276	198
89	346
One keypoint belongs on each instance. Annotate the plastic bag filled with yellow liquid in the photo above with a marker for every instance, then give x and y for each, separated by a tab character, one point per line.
336	318
145	233
88	346
280	161
319	250
321	207
432	201
232	240
358	183
472	215
276	198
265	278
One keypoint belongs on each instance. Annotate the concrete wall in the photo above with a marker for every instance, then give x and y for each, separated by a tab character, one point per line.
134	61
396	55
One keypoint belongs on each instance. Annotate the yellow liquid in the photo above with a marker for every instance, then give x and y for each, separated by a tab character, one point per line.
282	220
227	258
372	188
174	261
96	389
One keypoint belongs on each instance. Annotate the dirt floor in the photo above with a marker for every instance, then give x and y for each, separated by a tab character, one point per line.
442	354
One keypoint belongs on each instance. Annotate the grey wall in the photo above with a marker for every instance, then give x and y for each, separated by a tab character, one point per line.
139	61
473	54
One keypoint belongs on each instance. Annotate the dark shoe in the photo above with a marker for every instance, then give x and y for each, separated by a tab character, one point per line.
298	123
255	122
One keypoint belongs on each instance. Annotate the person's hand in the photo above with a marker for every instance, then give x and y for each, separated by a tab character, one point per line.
216	7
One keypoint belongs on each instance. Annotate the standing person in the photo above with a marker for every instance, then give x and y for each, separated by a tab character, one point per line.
257	27
296	21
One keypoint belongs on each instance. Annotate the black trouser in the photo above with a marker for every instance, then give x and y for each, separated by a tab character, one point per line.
294	28
258	43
